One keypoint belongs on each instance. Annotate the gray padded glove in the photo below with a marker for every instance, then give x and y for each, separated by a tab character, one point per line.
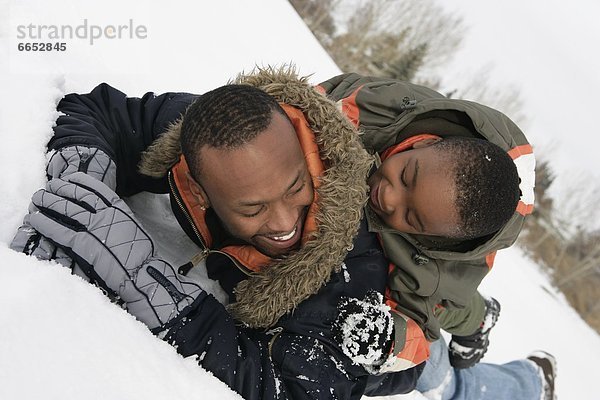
90	160
62	163
30	242
96	228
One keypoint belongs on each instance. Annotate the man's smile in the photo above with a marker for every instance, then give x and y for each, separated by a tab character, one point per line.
283	242
286	237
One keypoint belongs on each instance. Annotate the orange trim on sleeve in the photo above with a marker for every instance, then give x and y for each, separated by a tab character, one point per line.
406	144
416	346
388	299
350	108
515	152
489	259
524	209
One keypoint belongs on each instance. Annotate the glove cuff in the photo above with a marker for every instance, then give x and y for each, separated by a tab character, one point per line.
157	295
89	160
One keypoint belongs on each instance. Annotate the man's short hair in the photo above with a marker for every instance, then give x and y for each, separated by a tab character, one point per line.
227	117
487	184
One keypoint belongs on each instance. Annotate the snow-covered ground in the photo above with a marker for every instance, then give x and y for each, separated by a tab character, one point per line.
60	337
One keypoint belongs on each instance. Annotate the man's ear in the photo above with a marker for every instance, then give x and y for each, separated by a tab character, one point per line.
198	191
426	142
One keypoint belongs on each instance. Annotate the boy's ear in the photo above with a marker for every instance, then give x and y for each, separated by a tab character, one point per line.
198	191
426	142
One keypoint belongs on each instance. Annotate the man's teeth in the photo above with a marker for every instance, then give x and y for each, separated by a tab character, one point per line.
285	237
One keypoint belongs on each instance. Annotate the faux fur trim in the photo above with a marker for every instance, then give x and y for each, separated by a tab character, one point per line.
266	296
163	153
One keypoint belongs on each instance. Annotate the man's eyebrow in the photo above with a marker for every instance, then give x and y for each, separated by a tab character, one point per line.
261	202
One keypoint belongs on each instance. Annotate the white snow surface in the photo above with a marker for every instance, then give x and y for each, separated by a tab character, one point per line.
60	337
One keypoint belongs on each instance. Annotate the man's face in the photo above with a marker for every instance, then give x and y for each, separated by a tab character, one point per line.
414	192
261	191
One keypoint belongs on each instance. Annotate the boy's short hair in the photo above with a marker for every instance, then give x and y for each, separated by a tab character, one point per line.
487	183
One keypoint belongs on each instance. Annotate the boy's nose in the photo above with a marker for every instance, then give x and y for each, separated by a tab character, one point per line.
391	198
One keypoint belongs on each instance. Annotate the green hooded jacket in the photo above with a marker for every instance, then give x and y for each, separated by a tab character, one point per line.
433	271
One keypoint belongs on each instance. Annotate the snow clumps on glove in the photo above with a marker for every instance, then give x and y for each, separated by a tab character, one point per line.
363	329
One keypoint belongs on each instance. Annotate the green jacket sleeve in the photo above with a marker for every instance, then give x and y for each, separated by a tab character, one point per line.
462	321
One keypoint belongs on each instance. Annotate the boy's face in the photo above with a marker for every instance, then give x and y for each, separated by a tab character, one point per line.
260	191
414	192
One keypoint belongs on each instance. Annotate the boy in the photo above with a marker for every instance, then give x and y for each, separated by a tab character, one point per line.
438	258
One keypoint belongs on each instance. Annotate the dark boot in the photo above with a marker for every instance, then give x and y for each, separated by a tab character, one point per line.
466	351
546	364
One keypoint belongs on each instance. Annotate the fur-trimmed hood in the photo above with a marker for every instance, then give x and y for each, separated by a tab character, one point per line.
279	287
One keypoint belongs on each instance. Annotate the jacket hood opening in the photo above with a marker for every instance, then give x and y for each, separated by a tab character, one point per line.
279	287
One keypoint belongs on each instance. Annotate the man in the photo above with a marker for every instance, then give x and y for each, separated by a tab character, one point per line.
246	199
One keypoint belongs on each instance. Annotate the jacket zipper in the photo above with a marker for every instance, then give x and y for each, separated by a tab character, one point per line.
205	250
